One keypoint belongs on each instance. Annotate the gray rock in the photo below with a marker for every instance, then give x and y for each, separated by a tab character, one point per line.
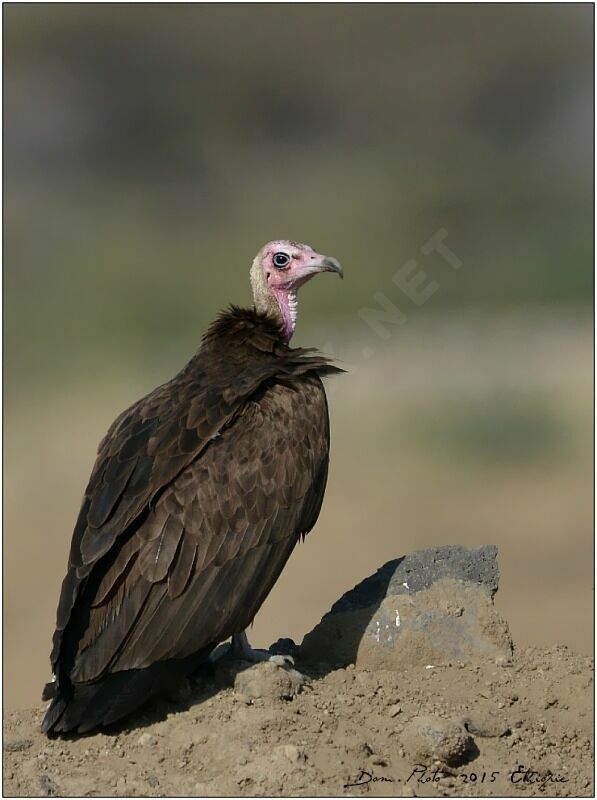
429	739
432	607
410	574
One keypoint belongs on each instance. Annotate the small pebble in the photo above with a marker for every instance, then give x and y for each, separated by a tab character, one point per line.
291	752
147	739
47	787
430	738
17	745
485	724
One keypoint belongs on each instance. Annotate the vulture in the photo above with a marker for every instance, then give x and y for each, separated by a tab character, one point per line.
198	495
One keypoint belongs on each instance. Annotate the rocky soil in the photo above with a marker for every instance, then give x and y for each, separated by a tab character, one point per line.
520	726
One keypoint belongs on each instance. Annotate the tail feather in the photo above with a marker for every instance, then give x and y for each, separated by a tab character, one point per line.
53	714
49	691
86	706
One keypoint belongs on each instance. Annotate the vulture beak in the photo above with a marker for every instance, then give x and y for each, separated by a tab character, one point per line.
331	265
319	263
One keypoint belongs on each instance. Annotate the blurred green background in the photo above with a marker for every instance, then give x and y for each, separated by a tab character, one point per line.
150	150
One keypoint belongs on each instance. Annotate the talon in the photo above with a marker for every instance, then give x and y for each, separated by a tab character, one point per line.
283	661
242	650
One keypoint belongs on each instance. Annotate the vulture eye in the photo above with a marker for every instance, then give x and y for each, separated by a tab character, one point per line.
281	260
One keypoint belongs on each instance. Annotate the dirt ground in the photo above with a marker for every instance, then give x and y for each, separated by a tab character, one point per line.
528	726
397	483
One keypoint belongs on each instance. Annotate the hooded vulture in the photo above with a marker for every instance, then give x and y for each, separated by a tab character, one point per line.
198	495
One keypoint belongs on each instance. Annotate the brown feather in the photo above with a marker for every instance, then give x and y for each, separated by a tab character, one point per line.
183	568
157	556
198	496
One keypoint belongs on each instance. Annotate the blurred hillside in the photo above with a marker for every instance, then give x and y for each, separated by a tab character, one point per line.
150	150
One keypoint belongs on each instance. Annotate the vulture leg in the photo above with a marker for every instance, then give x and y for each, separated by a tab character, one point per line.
241	650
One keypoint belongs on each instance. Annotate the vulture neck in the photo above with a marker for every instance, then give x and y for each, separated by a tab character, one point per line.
279	304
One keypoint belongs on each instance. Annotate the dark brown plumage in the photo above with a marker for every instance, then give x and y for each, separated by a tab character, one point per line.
199	493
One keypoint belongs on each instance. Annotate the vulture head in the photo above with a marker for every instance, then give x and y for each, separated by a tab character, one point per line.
280	268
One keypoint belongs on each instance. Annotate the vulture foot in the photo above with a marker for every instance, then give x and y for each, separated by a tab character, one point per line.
241	650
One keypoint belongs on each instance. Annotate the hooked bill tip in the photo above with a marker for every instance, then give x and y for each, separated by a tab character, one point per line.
333	265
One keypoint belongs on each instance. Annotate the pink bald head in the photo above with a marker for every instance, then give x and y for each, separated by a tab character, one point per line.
288	265
279	269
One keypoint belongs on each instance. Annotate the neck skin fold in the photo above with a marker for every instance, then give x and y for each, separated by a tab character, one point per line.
281	304
288	310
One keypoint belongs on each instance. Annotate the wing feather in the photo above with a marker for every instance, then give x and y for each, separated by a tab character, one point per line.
187	589
157	555
178	577
198	495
